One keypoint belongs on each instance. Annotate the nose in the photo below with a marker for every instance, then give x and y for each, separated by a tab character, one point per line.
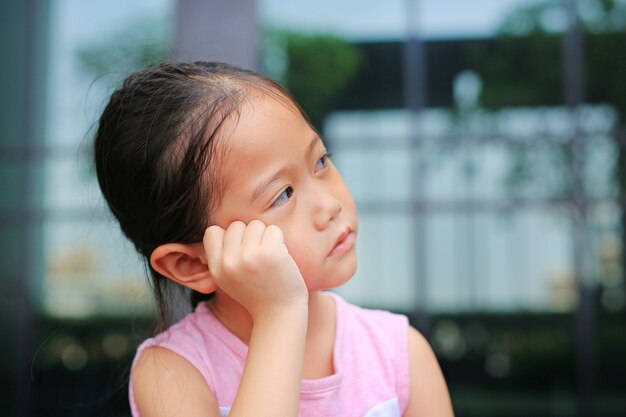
326	207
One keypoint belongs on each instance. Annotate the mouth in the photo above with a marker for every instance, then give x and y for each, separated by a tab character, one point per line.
343	244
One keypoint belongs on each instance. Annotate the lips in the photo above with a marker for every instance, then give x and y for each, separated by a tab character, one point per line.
343	244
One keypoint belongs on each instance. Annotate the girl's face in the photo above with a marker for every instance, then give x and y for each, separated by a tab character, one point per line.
276	169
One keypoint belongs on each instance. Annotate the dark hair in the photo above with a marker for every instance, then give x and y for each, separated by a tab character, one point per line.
155	141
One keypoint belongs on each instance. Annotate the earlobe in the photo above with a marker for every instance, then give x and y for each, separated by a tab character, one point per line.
184	264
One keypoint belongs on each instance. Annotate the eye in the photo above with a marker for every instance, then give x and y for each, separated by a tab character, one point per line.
323	161
283	197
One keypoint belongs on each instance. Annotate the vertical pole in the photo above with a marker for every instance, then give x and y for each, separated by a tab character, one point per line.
23	323
218	30
415	99
584	317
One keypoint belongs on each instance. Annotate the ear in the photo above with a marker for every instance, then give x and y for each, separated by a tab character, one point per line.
185	264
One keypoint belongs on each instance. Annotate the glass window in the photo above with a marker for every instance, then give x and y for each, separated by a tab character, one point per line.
89	267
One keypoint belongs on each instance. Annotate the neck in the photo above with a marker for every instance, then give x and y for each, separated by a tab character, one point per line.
320	337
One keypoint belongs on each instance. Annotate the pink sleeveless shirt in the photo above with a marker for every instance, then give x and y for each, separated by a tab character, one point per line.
370	356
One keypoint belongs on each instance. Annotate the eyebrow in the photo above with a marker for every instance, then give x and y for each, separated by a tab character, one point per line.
267	183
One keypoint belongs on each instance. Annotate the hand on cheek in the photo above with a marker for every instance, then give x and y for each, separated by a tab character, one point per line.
253	266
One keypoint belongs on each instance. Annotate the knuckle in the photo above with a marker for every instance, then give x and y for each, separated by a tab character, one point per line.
248	260
230	266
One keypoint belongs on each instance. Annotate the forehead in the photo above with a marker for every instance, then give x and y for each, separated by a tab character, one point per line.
268	132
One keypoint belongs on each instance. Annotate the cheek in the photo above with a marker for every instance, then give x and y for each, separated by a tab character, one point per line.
296	246
302	252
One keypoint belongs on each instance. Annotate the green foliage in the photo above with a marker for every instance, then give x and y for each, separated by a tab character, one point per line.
605	66
318	68
519	71
523	67
538	18
549	16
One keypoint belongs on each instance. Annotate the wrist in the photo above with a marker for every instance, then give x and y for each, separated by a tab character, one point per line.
295	314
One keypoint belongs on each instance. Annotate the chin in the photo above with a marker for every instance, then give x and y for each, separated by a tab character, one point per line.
330	275
340	276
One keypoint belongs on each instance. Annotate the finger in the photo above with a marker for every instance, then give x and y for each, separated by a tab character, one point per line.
252	235
273	235
213	242
232	239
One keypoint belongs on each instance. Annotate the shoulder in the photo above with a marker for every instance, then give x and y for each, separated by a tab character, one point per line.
379	339
428	395
166	384
386	331
190	338
173	367
377	320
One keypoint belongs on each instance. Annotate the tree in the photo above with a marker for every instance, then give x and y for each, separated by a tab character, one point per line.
316	68
523	67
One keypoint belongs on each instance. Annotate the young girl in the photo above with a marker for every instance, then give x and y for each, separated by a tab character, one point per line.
220	181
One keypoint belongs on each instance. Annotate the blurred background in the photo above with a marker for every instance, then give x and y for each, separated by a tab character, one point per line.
483	142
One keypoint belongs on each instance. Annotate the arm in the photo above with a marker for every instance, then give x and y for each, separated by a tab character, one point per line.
166	385
270	384
428	395
251	264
